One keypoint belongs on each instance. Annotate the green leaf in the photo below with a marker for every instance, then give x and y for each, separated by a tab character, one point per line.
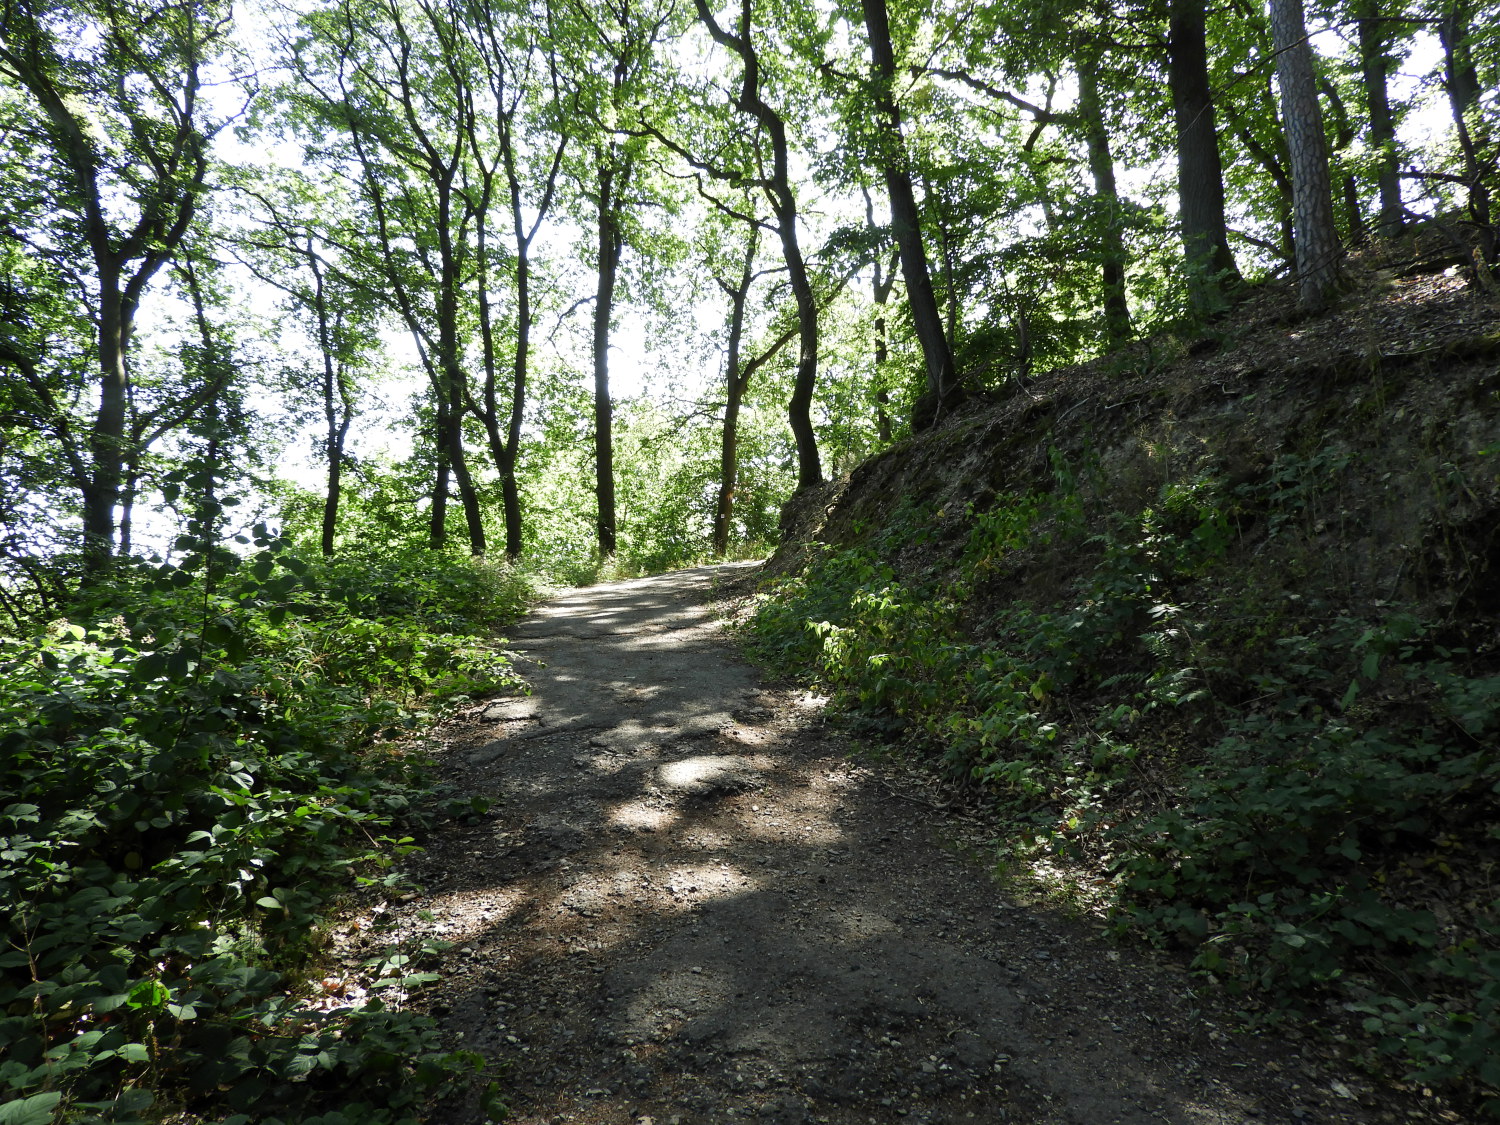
35	1110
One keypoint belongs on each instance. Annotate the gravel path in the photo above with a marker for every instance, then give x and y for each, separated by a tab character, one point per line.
690	906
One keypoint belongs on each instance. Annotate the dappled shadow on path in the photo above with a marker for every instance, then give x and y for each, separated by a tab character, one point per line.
690	906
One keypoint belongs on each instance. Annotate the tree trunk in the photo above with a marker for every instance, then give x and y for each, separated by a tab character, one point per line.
437	516
337	409
735	390
883	283
1112	256
778	189
505	445
510	492
452	382
610	245
1318	249
101	491
942	378
1375	67
1461	80
799	406
458	461
1211	271
129	491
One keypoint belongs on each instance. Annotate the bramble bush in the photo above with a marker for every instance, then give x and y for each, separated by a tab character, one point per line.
192	772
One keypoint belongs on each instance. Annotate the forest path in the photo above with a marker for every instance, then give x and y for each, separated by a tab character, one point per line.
689	906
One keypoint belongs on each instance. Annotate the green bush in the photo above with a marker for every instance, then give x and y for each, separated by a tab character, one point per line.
1257	776
189	783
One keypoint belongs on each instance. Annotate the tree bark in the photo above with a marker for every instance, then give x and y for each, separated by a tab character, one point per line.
612	180
1211	270
884	281
1112	257
1375	68
735	384
937	354
338	411
451	379
1461	80
778	190
1318	248
437	514
101	492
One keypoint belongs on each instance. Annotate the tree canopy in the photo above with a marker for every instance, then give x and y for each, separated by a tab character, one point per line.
219	219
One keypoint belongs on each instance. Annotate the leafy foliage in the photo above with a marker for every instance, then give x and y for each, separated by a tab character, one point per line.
1344	760
189	783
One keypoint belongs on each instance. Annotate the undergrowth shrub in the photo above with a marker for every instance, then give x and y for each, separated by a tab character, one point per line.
189	783
1277	783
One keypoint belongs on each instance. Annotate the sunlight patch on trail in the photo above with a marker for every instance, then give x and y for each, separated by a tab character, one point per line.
642	815
712	774
471	913
689	884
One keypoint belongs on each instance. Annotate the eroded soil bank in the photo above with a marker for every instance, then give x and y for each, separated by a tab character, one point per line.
690	905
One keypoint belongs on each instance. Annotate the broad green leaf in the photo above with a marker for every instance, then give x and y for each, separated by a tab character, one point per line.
35	1110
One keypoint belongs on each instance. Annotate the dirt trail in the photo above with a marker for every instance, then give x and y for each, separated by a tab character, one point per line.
689	906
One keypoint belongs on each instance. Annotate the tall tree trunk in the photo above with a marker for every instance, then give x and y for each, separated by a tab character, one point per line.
610	245
884	281
1461	80
1318	249
942	378
337	435
1112	256
799	406
505	444
734	383
437	515
1375	68
778	189
458	461
101	491
129	491
510	492
338	411
1211	270
452	381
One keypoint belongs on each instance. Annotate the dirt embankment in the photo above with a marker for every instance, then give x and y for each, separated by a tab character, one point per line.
1392	402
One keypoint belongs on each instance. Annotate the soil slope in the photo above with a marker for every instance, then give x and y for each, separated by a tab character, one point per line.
690	905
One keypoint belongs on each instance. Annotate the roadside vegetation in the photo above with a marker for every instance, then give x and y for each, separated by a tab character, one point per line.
201	760
1199	694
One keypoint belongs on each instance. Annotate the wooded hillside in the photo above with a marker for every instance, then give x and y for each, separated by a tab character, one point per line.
1210	628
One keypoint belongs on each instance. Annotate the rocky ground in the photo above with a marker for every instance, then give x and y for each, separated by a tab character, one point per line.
690	905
